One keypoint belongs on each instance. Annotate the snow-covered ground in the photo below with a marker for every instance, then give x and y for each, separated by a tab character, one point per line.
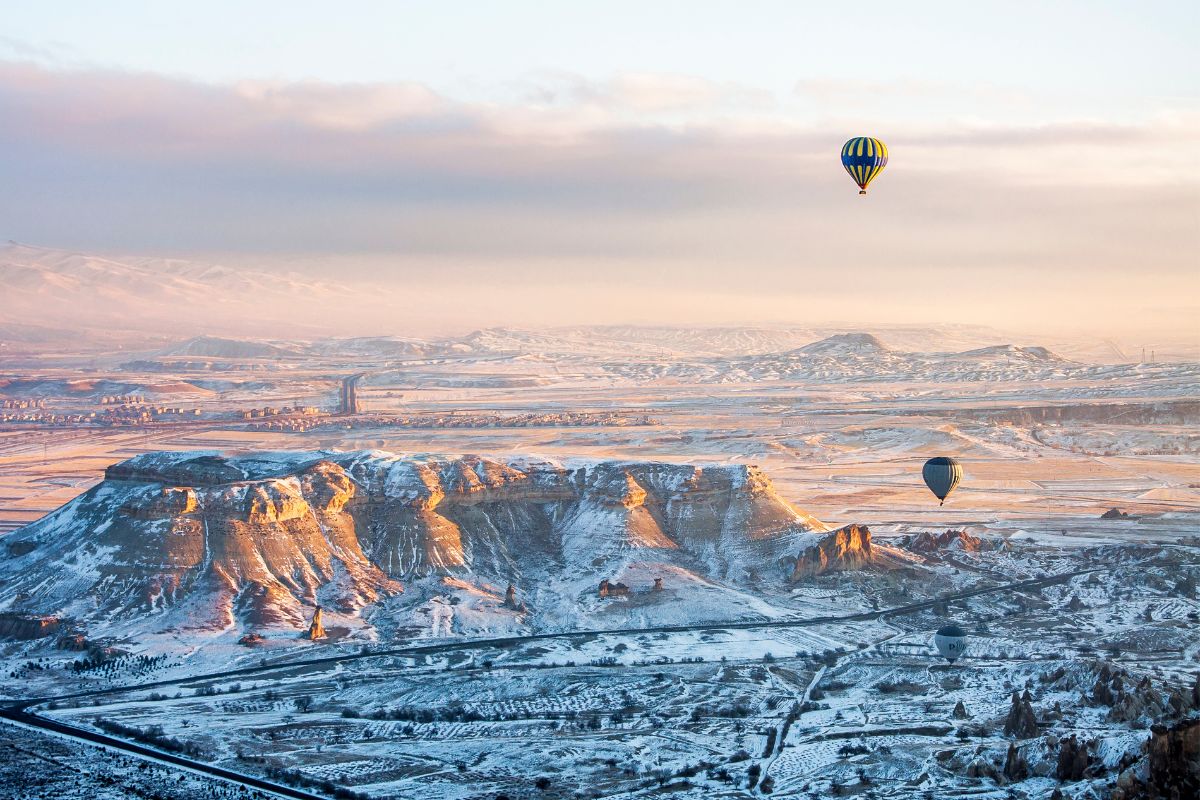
1048	444
631	713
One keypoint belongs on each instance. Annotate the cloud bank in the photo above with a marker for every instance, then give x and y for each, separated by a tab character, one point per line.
645	183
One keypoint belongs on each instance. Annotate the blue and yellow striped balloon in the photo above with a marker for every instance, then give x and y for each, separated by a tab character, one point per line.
864	158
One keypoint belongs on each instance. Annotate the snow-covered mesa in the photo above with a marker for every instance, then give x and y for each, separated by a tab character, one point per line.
250	544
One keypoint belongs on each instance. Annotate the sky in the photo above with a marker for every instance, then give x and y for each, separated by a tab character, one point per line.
532	163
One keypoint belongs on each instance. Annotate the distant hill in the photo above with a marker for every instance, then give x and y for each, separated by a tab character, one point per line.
847	344
1012	352
860	356
382	347
216	347
688	340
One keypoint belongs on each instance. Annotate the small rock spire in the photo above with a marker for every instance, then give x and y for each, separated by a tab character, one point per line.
315	629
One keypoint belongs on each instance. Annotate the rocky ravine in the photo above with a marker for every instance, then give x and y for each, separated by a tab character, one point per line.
199	541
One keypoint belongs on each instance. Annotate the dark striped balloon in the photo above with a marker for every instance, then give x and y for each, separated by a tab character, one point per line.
864	158
941	475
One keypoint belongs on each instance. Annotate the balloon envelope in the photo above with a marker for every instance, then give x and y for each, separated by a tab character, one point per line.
951	642
941	475
864	158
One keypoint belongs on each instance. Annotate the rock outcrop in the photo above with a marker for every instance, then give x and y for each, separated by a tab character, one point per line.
1108	686
847	548
512	602
1021	722
1170	769
1174	756
610	589
926	542
28	626
1141	702
1073	759
982	767
1015	766
1114	513
315	629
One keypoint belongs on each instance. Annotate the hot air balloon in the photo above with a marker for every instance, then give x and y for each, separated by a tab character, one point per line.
864	158
950	641
941	475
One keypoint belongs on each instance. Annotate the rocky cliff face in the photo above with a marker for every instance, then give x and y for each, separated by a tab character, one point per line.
28	626
1171	767
960	541
259	540
846	548
263	550
1174	755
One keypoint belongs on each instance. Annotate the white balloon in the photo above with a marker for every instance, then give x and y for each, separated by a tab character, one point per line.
951	642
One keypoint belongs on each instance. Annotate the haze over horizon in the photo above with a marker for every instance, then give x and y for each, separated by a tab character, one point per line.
682	171
503	398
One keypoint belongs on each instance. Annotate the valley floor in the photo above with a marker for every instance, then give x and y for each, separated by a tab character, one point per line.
835	708
843	708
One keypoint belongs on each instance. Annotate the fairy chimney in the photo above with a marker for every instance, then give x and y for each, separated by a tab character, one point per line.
315	629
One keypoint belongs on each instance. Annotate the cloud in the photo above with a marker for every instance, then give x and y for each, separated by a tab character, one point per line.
343	106
831	90
644	93
642	181
54	53
405	129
